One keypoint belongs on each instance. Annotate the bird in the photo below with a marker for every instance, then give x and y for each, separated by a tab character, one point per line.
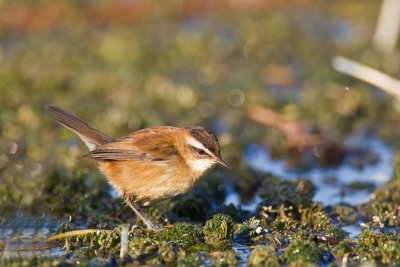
150	164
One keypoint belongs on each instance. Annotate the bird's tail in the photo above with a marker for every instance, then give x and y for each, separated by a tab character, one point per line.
89	135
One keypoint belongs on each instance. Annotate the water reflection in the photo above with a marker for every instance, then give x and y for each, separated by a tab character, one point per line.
243	252
24	236
346	174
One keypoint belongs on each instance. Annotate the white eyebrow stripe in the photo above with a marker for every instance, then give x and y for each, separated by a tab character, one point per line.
194	143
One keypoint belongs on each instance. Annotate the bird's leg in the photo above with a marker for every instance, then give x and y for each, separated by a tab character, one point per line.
135	207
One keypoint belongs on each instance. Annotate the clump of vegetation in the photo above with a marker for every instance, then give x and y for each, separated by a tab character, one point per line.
385	204
227	258
302	252
185	236
276	191
313	216
218	231
378	248
40	260
372	248
285	201
100	243
341	250
344	214
335	232
193	208
153	251
156	215
2	246
250	231
190	259
263	255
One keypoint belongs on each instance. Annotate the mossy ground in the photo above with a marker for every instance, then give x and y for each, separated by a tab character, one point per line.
178	64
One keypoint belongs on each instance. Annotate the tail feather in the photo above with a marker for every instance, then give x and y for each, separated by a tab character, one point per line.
89	135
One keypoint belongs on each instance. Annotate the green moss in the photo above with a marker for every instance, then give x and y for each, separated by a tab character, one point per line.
152	252
335	232
85	196
250	231
234	211
191	207
314	217
289	205
94	244
186	259
166	247
279	217
379	248
156	215
384	203
226	258
167	253
302	250
145	245
276	192
283	224
345	214
39	260
218	231
307	216
184	235
2	246
263	256
341	249
301	263
396	166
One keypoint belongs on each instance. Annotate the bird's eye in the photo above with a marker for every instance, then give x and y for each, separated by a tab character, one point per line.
201	152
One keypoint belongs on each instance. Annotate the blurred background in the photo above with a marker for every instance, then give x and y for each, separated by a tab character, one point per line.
257	73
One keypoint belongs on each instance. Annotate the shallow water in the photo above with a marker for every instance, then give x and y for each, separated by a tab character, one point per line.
243	252
24	236
378	174
233	197
259	158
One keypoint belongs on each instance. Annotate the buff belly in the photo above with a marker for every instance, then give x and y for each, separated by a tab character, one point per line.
146	183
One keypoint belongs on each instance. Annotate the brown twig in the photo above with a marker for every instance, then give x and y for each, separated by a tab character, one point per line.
297	133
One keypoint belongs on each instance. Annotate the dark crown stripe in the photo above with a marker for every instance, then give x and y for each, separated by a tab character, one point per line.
206	138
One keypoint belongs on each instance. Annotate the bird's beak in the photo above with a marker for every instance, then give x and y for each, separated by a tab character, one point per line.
223	163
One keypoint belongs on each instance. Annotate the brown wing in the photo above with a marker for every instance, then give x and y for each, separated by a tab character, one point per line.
151	144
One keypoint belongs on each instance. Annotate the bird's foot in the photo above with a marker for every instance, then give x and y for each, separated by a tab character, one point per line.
146	220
